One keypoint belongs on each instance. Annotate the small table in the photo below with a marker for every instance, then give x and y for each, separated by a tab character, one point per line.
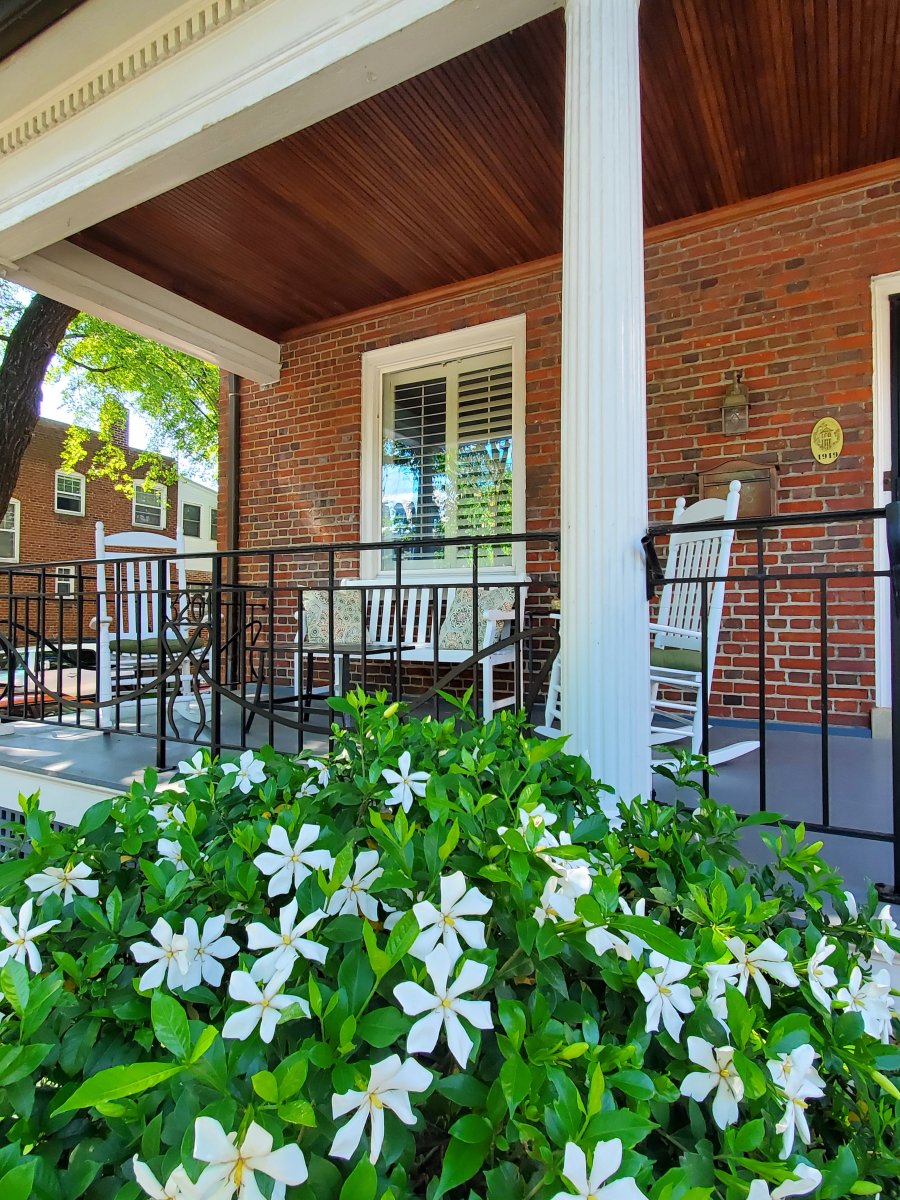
382	650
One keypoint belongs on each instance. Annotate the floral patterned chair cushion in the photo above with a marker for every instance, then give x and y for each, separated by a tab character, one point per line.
456	628
348	621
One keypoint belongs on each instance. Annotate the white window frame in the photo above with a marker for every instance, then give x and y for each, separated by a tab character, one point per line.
16	531
506	334
199	507
163	494
70	573
214	523
69	512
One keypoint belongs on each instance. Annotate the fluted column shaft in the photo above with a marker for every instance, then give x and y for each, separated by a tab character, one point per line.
605	648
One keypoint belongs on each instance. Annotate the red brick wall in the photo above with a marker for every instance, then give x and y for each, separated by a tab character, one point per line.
785	296
48	536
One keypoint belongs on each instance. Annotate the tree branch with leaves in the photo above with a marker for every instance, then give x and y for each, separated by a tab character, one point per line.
106	374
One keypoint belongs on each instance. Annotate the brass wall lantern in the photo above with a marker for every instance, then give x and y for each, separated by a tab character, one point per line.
736	406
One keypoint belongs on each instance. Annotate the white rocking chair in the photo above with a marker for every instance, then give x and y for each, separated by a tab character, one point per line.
133	606
676	653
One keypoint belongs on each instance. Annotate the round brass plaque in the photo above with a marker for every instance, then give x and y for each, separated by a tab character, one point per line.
826	440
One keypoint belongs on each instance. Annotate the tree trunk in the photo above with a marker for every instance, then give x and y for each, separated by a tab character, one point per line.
31	346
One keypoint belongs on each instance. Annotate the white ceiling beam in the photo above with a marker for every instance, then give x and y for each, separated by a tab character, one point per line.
93	285
206	85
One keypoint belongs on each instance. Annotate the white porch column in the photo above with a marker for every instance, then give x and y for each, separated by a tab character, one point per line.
605	646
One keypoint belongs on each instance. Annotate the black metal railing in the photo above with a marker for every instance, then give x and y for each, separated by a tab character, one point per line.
151	647
826	559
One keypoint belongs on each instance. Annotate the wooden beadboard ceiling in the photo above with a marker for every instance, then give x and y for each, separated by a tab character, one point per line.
458	172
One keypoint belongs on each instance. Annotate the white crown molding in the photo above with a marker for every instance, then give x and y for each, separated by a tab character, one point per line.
184	28
272	68
91	284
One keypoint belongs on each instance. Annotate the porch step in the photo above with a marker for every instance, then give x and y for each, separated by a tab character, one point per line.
68	798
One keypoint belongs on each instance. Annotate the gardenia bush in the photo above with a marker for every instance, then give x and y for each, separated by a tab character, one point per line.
439	960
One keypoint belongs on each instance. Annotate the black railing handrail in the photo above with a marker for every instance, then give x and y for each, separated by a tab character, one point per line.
775	520
292	548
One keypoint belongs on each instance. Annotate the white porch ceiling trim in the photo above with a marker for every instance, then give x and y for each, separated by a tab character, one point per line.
91	284
163	108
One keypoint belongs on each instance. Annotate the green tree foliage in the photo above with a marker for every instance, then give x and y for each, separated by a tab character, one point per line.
106	373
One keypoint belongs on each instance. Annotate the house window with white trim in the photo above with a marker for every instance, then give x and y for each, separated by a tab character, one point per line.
149	505
213	524
190	520
450	449
69	491
65	582
9	533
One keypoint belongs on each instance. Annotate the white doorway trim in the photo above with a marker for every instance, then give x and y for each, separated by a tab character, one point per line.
883	287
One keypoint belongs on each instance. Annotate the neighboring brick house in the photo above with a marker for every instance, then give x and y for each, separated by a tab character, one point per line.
783	295
53	514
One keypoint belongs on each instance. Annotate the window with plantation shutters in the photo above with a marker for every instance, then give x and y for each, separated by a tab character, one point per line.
447	459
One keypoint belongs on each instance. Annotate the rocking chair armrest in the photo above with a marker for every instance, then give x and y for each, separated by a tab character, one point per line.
655	627
494	619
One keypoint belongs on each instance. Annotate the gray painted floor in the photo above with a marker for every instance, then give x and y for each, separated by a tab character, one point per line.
859	770
859	773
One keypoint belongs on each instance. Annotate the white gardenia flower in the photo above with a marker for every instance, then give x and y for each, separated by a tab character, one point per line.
248	772
289	865
169	957
232	1169
540	817
606	1161
205	948
872	1000
452	920
264	1005
444	1006
177	1187
820	974
352	897
172	852
852	906
888	927
21	938
794	1120
193	768
406	783
601	940
65	882
165	813
390	1085
287	944
323	775
717	1073
798	1081
806	1179
555	905
796	1070
574	880
666	996
719	974
636	944
768	958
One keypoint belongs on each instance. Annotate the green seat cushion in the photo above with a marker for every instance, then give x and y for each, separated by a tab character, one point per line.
675	658
147	645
